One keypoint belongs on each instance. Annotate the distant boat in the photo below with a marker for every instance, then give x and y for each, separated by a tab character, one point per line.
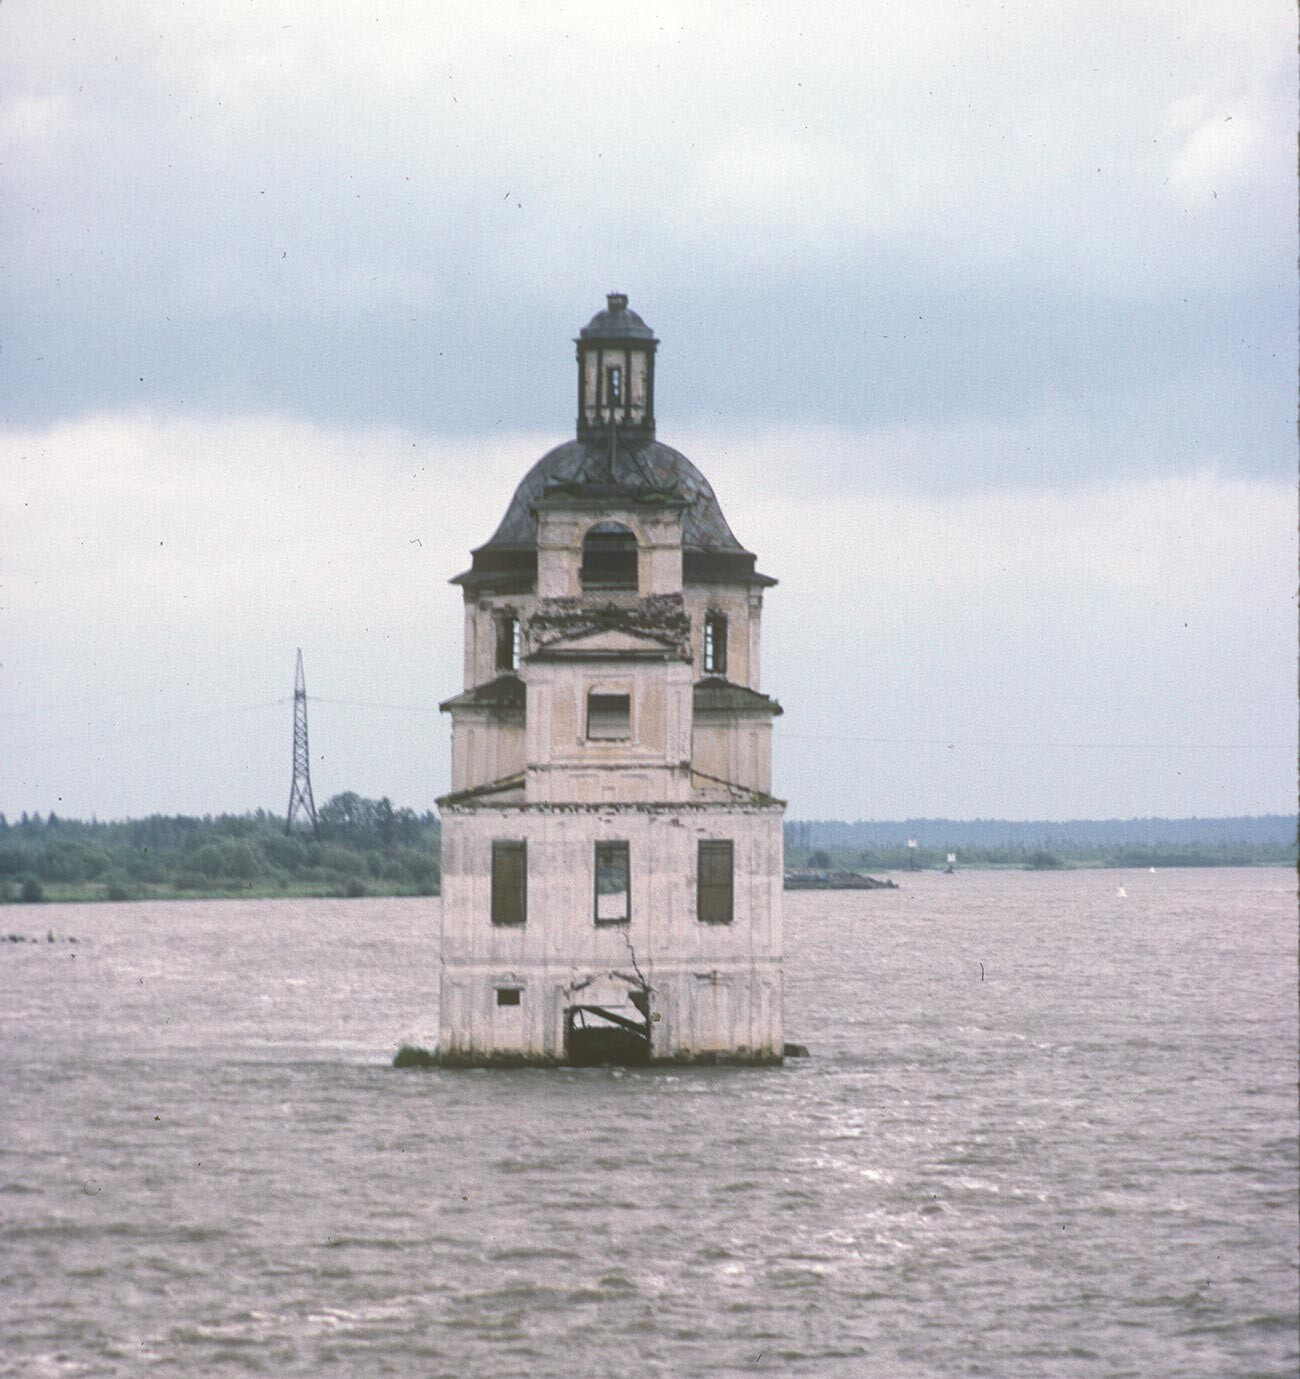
1122	893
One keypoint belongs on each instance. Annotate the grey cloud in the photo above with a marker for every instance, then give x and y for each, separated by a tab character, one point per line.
854	215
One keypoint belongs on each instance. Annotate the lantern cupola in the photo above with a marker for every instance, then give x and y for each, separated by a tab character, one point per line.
616	373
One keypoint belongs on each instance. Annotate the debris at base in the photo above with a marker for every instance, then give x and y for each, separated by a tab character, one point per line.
409	1056
795	1051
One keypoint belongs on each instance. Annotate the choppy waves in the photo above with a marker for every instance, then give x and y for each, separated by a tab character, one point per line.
1084	1162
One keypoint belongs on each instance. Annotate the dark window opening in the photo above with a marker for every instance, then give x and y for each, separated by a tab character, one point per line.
508	641
609	557
509	883
609	717
715	644
716	889
508	995
613	883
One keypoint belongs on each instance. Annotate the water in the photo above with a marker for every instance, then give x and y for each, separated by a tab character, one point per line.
1046	1130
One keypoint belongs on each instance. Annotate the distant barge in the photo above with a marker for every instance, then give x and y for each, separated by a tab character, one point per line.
835	881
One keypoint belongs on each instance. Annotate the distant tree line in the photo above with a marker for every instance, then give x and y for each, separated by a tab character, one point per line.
1263	830
831	845
366	847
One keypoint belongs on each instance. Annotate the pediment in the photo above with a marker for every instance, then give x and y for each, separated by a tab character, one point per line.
612	643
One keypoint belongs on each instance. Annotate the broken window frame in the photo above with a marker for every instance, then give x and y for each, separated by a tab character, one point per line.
715	644
509	902
715	898
509	634
609	853
611	719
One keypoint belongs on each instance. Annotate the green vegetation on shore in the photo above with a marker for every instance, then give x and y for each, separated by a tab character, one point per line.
366	847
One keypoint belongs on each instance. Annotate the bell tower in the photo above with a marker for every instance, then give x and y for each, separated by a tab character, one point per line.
611	847
616	374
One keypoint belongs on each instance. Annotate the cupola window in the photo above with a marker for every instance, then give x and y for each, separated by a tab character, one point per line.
615	377
609	557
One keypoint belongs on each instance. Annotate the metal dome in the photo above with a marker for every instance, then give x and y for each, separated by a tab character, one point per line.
644	469
614	459
616	322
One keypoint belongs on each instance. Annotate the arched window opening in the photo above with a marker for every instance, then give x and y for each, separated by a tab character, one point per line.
609	557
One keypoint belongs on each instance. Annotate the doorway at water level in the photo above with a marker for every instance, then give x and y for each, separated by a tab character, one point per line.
601	1036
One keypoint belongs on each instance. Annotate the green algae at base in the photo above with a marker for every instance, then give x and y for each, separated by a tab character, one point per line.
411	1056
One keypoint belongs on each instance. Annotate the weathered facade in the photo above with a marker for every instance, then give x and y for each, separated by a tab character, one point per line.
612	852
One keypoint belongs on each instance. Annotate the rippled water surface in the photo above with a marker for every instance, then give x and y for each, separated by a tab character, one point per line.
1046	1130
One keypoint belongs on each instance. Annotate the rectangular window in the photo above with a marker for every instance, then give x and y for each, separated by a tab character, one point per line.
615	385
715	895
507	995
715	644
613	884
609	716
508	635
509	883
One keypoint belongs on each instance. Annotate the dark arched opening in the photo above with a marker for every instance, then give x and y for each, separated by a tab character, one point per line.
609	557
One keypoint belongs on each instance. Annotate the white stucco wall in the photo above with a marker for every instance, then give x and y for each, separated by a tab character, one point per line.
732	747
715	988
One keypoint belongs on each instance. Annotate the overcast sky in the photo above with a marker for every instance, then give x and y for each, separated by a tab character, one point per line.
979	317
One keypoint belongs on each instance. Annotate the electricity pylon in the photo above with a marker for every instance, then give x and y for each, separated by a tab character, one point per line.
300	791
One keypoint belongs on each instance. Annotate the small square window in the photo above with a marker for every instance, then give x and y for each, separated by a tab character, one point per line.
609	716
613	883
508	995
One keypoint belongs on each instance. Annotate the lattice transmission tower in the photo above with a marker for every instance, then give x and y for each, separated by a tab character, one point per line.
300	800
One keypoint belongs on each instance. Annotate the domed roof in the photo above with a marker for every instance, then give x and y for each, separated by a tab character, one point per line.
644	469
615	456
616	322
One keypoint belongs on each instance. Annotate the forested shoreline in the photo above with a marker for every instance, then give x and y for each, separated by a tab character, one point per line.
1040	845
365	847
1062	856
370	847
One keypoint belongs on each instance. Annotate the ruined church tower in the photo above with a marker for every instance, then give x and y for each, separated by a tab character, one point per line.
612	851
